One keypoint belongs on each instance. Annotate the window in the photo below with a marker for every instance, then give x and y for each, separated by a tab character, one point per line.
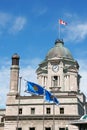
2	119
61	110
20	111
61	128
18	128
55	81
66	128
32	110
45	81
32	128
47	128
48	110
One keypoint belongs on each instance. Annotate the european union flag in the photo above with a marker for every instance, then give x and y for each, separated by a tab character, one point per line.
51	98
34	88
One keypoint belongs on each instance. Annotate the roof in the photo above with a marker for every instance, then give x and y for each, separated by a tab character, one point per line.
59	51
81	121
84	117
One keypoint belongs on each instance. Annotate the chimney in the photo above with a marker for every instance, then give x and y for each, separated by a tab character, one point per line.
14	74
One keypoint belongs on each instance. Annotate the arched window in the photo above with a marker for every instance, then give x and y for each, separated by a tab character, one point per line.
55	81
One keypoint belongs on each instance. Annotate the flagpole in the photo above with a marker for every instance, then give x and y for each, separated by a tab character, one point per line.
63	23
54	112
19	102
54	117
59	29
43	108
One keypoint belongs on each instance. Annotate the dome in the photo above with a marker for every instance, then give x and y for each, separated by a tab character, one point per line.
59	51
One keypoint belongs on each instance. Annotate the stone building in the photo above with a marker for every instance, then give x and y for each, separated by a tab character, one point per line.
58	73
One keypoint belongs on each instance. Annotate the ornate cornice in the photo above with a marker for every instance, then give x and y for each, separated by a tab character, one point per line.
46	117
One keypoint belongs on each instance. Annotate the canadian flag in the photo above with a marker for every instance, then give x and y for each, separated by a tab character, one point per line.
62	22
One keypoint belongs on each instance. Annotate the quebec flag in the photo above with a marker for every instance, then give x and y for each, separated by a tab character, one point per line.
51	98
34	88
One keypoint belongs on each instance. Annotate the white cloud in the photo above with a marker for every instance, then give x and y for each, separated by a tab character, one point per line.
76	32
10	23
42	11
76	29
4	19
28	74
83	73
39	10
4	85
18	25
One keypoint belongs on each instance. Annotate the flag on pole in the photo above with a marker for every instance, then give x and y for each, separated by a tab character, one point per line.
62	22
34	88
50	98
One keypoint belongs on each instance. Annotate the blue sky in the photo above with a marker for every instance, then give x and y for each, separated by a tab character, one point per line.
30	28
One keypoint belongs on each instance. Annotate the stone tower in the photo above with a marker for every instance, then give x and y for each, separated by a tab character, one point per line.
59	70
14	75
13	92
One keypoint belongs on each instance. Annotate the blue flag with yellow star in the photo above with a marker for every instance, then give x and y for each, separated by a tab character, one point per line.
49	97
34	88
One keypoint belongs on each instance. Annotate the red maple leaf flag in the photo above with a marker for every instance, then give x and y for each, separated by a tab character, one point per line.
62	22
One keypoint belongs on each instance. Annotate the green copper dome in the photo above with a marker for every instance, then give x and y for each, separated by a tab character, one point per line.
59	51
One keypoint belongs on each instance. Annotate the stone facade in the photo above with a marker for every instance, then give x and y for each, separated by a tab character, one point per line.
58	73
